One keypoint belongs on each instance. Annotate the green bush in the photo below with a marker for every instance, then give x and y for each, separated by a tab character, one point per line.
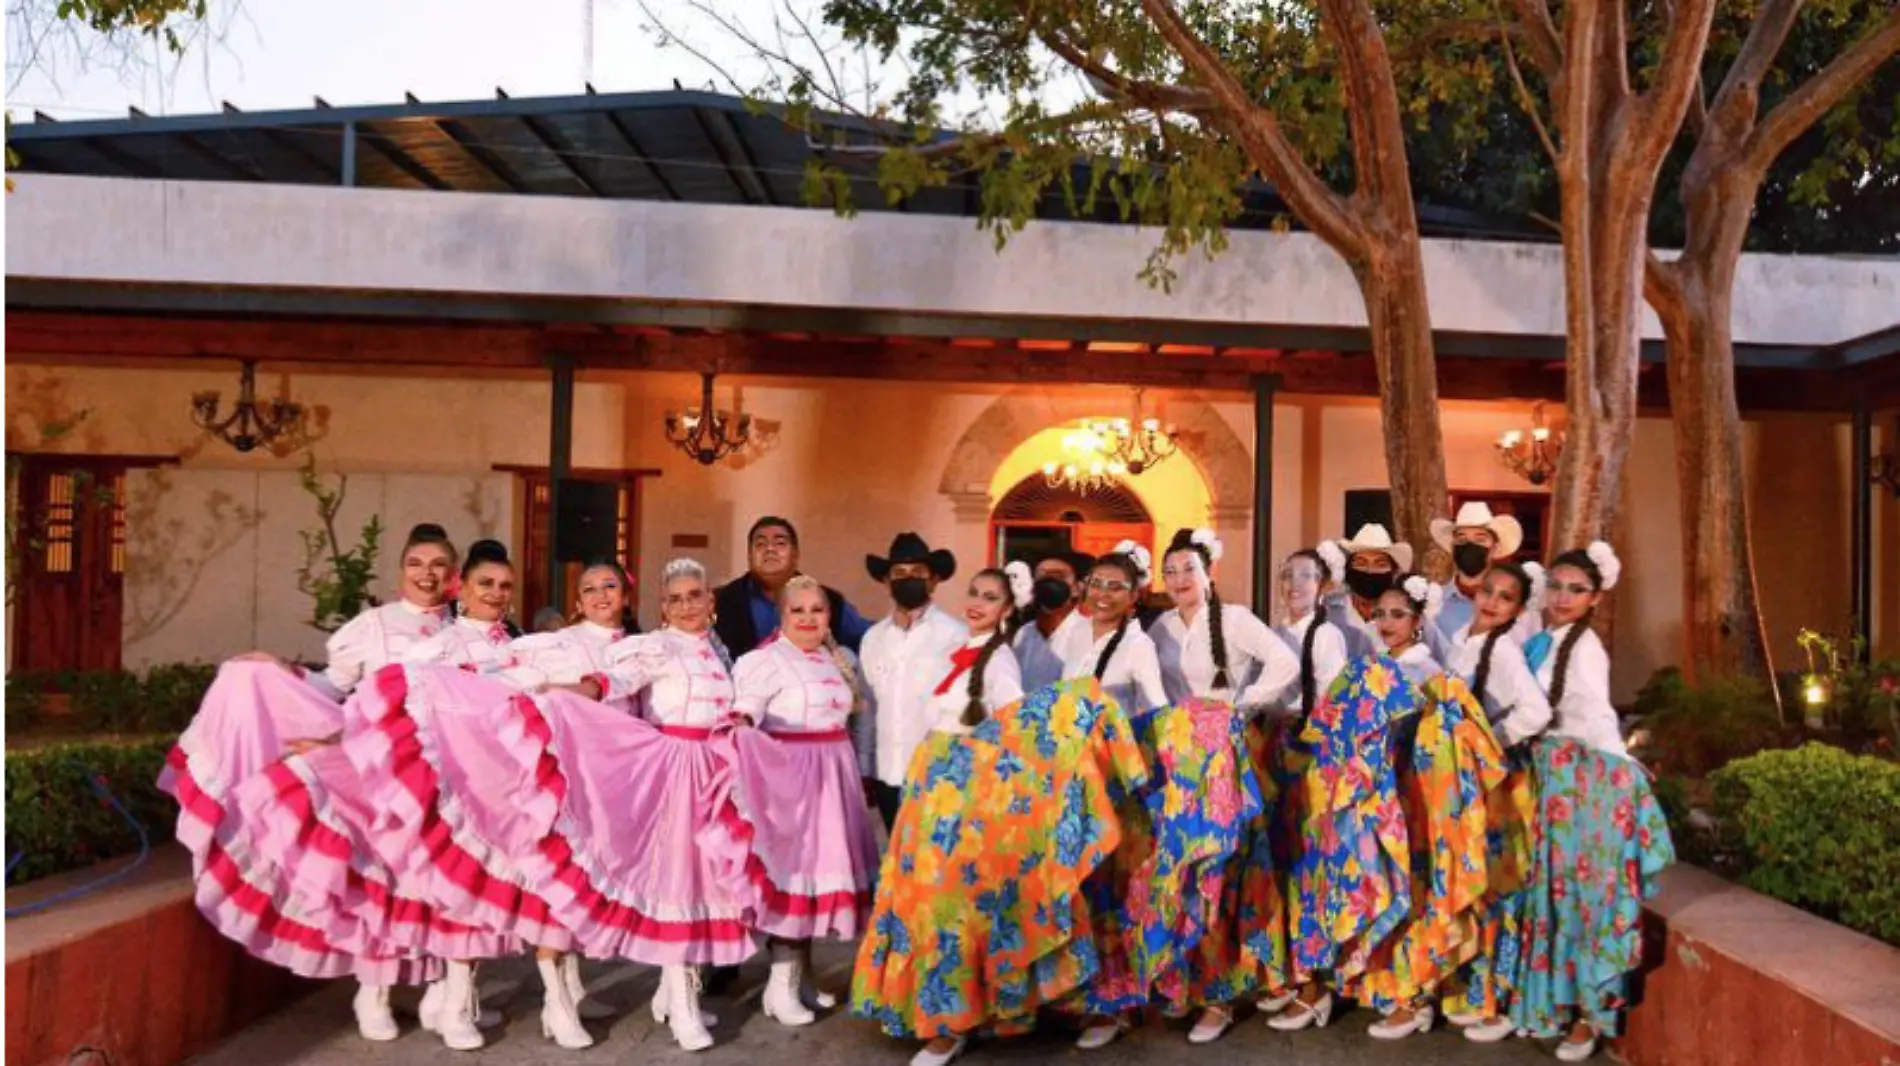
56	822
1692	731
172	693
110	701
24	705
1818	828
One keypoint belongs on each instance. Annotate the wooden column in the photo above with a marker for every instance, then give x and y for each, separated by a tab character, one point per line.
1862	524
560	464
1264	388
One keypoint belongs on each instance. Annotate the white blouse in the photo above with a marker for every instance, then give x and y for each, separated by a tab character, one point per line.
573	654
685	682
373	640
1585	713
1417	663
785	689
1256	659
1133	676
1329	659
1512	701
1002	686
478	647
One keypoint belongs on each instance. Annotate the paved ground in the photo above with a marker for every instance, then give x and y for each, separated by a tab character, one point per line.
319	1032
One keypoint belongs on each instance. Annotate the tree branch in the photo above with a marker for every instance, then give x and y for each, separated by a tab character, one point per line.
1765	37
1372	103
1540	35
1678	73
1110	82
1258	129
1662	287
1794	115
1525	100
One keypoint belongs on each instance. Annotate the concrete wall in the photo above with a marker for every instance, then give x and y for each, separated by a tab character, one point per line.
244	235
215	545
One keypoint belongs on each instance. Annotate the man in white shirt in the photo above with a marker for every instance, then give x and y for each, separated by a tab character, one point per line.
1474	539
1058	595
905	656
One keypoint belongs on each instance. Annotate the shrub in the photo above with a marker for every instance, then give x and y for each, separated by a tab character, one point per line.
108	701
56	822
24	705
111	701
1818	828
1692	731
172	693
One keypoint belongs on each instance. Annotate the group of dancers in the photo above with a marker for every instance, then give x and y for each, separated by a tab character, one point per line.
1408	795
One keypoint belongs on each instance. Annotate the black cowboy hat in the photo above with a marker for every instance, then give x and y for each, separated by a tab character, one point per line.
910	548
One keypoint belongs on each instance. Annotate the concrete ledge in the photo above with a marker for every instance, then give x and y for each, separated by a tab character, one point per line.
1744	979
131	971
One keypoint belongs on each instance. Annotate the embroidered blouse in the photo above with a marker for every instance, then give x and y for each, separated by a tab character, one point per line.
684	680
1259	669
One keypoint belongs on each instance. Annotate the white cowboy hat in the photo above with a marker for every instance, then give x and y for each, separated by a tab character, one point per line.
1476	514
1372	537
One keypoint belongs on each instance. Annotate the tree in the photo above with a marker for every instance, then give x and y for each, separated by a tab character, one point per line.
1735	146
1176	106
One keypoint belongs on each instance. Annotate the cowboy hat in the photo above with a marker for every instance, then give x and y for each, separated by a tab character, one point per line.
910	548
1372	537
1476	514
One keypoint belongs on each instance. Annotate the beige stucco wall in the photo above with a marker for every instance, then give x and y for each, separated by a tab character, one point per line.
851	463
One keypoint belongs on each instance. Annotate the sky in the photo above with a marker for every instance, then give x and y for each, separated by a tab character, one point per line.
281	53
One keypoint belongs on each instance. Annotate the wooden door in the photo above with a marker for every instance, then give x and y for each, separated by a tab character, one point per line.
70	545
533	521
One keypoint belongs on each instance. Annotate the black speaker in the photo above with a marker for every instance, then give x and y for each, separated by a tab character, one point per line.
1367	506
585	527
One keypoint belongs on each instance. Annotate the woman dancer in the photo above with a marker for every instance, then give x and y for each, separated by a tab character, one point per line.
813	854
1601	837
1218	653
261	708
980	918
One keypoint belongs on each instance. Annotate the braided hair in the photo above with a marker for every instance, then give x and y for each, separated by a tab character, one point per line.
1127	565
1216	628
1582	561
1309	672
1483	674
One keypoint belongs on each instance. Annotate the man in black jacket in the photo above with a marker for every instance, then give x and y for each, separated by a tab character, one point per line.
748	606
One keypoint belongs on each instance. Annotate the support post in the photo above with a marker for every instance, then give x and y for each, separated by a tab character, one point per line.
1264	388
1862	523
560	463
349	154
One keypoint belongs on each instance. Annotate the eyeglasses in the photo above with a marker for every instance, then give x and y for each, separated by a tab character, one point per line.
695	596
1109	585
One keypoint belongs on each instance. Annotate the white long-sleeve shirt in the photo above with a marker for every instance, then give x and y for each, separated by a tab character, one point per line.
570	655
685	681
902	666
373	640
478	647
1329	659
1513	701
1133	676
1002	686
1585	712
1259	667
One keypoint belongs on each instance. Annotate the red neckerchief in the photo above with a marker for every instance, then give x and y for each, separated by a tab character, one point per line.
960	661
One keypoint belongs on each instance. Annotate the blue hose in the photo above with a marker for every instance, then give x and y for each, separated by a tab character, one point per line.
145	849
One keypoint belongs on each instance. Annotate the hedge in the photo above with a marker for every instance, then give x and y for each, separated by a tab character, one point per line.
55	820
162	700
1818	828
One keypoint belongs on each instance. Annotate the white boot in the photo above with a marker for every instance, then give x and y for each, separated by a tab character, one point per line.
590	1010
373	1018
780	1001
560	1021
662	1005
455	1016
682	1000
431	1005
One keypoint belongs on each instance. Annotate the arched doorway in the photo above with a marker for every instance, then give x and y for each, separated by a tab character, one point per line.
1033	519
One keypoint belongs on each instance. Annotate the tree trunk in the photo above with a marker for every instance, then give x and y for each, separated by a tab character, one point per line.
1723	633
1393	283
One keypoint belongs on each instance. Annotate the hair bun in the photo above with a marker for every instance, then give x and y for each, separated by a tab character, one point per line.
487	551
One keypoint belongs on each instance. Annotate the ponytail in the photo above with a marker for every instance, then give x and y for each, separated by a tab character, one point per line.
974	712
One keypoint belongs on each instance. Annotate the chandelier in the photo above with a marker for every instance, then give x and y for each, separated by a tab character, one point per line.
251	424
1139	443
1531	454
1089	464
706	433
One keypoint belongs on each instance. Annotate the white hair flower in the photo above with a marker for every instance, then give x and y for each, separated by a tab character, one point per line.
1144	563
1418	589
1022	583
1206	539
1608	564
1534	596
1334	557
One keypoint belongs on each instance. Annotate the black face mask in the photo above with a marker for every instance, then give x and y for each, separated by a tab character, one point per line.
910	592
1471	559
1053	594
1367	585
